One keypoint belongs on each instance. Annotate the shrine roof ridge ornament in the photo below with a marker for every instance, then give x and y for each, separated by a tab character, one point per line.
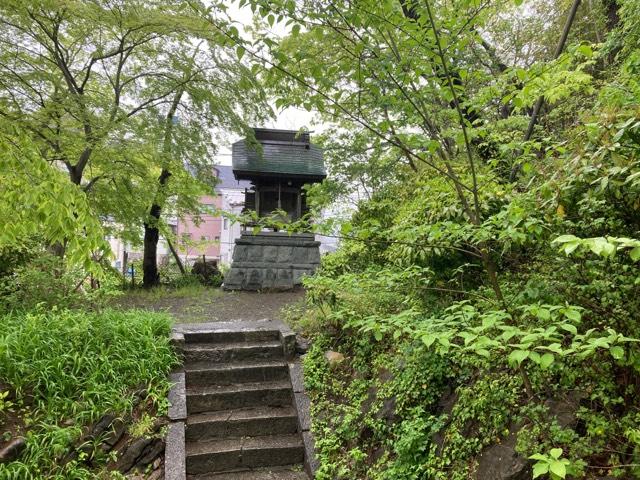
285	153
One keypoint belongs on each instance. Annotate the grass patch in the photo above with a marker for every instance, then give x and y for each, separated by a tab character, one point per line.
66	369
143	296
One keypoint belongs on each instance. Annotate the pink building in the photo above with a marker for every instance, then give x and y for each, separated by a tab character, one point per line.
203	237
213	236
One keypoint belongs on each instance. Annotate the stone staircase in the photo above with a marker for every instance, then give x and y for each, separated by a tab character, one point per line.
241	420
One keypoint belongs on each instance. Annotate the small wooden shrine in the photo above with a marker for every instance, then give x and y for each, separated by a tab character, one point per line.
278	164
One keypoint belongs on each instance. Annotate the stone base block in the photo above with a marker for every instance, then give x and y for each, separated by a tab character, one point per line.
272	261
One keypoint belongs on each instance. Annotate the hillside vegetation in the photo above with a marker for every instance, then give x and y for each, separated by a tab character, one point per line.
484	300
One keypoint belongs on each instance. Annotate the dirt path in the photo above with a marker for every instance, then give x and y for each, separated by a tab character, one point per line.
195	305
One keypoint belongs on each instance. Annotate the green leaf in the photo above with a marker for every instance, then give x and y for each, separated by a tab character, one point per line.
346	228
428	339
555	453
539	456
540	468
572	314
635	254
295	30
565	239
546	360
240	51
518	356
483	352
617	352
586	50
543	314
569	328
570	247
558	468
444	341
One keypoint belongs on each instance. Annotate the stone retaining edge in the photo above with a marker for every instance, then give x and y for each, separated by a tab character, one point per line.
302	405
176	340
177	397
288	340
175	467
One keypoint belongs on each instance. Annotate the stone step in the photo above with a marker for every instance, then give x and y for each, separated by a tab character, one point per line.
232	336
295	472
228	397
232	351
203	373
243	453
247	422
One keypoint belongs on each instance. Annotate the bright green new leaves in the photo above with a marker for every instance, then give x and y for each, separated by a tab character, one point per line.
77	367
90	84
492	336
36	199
551	464
602	246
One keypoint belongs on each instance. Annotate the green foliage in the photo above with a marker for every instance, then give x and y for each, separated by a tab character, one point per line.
37	199
46	281
107	109
552	464
67	369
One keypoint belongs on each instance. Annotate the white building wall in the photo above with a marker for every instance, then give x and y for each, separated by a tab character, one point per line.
233	203
118	247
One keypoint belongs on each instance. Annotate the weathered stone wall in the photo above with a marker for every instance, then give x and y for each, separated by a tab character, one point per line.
272	260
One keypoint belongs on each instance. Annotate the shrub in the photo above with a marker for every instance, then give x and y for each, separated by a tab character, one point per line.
45	280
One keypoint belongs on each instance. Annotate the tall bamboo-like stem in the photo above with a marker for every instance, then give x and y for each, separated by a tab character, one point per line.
540	102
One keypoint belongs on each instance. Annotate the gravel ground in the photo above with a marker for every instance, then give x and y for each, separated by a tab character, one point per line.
195	305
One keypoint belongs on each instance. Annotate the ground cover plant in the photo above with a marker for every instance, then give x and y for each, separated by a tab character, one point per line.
63	370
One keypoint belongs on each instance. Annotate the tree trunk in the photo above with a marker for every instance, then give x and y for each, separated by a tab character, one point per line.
150	276
515	171
611	11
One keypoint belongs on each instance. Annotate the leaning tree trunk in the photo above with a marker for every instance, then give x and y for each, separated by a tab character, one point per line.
176	257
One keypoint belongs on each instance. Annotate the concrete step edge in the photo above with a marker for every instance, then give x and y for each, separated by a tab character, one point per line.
234	365
197	390
205	346
243	444
241	414
230	335
288	472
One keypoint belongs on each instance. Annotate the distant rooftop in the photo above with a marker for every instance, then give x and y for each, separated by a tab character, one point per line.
285	153
228	181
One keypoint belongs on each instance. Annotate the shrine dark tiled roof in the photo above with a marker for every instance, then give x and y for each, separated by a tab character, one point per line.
292	156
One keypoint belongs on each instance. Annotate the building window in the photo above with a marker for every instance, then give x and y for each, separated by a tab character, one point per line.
217	239
225	223
205	238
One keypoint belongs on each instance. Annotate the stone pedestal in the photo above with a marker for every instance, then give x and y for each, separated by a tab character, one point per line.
272	260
